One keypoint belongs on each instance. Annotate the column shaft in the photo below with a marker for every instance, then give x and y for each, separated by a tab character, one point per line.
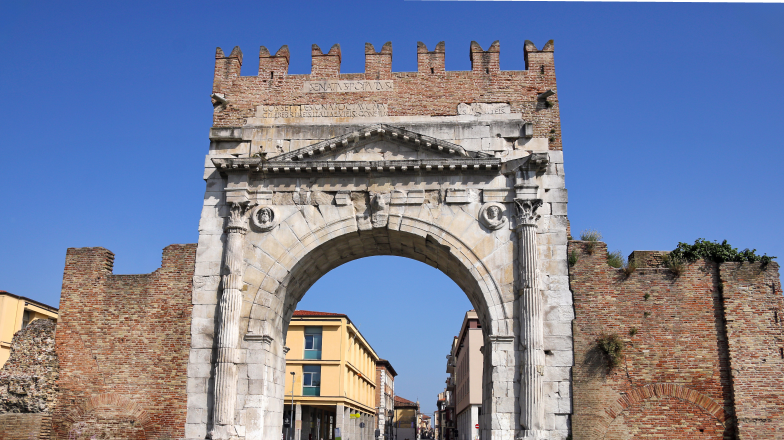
228	330
531	321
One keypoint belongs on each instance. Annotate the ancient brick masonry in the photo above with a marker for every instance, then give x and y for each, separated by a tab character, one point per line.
123	345
430	91
694	349
753	308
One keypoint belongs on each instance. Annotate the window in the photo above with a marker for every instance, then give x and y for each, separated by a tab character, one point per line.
25	318
312	342
311	380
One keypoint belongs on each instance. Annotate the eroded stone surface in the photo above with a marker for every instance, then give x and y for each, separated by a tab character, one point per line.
28	380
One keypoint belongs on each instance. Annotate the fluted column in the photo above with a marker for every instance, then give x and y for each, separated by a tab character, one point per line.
531	321
229	327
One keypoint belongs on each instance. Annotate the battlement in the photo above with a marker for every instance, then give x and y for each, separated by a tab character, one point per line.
431	90
327	65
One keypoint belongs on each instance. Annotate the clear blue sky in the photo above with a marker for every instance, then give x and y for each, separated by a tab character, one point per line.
671	114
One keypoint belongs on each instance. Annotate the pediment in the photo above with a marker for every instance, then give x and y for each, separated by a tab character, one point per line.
378	148
379	142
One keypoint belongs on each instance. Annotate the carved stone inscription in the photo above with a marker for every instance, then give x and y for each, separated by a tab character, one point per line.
323	111
482	108
348	86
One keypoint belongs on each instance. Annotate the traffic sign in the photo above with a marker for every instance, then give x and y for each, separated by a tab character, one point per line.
477	426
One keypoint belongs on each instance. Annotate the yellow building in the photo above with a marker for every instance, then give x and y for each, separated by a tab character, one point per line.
333	387
15	313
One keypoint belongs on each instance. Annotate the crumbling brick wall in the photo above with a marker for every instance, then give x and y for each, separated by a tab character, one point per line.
122	342
28	383
692	347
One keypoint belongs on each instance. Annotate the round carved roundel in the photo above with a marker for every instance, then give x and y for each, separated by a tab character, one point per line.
263	218
492	216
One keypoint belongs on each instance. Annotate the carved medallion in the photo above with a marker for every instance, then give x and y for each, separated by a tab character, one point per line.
492	216
264	218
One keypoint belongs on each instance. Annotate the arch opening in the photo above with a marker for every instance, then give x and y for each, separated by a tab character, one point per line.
329	247
379	242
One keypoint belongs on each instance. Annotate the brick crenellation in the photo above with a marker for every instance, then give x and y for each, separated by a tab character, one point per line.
123	342
431	90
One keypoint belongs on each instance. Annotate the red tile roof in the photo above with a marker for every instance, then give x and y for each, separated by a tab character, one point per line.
309	313
401	402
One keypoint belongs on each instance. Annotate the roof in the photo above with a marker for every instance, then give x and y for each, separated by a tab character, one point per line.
24	298
425	416
387	365
403	403
310	313
305	314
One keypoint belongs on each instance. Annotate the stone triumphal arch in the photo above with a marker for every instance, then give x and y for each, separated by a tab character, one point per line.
459	170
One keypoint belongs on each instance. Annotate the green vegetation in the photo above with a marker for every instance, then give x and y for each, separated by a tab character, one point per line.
612	346
615	259
592	236
632	331
674	263
629	266
573	257
715	251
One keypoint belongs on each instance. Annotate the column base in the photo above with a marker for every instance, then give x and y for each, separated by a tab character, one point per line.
223	432
533	434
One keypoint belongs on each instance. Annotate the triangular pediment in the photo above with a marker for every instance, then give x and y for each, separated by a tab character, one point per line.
379	142
377	148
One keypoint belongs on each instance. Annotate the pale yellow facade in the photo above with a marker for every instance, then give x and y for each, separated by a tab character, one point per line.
348	364
15	313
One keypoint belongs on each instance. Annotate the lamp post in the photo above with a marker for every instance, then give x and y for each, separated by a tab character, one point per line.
293	381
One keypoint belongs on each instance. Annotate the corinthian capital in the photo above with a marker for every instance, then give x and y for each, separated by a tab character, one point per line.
238	218
526	211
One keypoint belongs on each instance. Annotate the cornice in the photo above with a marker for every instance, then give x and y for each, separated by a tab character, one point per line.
259	165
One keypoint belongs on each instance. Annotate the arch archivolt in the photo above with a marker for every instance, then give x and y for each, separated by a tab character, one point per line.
287	260
641	394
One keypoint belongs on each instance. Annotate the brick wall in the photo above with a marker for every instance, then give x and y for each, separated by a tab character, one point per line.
122	342
753	308
25	426
681	335
430	91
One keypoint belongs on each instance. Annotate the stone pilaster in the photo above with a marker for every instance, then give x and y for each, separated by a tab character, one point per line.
229	327
532	403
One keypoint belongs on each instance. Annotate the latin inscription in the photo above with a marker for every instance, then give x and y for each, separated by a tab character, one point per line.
348	86
360	110
483	108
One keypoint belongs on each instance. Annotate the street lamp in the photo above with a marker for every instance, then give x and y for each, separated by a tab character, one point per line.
293	381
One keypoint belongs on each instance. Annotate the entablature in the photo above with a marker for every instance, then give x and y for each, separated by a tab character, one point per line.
259	165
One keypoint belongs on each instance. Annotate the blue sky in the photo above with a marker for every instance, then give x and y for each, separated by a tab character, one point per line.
671	118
